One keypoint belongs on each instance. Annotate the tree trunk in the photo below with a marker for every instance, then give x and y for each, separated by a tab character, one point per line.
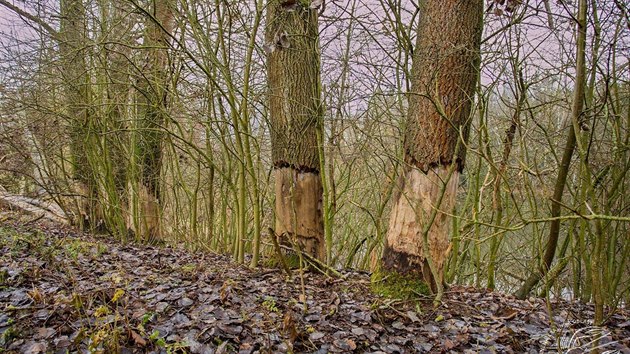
296	117
113	158
74	74
151	114
444	73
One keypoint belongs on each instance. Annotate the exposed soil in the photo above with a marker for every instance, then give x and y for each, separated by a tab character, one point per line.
62	291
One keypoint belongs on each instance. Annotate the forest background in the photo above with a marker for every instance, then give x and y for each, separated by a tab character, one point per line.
209	150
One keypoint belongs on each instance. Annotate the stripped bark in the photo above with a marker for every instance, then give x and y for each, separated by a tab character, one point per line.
37	208
296	116
444	74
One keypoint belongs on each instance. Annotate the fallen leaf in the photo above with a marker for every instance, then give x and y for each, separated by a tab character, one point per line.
36	295
412	316
317	335
44	333
137	338
288	326
345	344
34	348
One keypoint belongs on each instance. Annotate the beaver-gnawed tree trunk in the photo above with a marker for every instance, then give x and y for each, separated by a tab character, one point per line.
444	75
296	116
145	198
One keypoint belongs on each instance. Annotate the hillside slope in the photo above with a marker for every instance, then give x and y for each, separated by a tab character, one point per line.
64	291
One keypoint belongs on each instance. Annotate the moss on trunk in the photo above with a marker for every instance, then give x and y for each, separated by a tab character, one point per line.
395	285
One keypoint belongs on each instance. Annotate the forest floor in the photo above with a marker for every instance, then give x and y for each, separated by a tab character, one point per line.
63	291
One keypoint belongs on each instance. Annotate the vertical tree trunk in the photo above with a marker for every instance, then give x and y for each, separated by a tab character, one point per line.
444	73
113	156
151	113
75	78
296	117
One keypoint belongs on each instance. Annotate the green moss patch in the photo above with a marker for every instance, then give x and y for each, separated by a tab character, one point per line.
398	286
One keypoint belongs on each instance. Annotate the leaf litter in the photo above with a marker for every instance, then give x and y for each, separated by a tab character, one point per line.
63	291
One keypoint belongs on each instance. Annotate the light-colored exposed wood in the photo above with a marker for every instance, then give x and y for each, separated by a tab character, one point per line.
146	223
151	117
299	209
444	74
421	195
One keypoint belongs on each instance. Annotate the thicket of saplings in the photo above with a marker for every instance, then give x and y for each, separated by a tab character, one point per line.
214	142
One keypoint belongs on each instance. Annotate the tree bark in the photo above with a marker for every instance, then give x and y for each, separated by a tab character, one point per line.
296	123
444	73
75	78
112	160
151	116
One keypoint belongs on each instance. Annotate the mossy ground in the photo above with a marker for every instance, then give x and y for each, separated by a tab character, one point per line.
398	286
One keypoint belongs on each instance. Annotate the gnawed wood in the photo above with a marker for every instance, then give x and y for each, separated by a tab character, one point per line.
144	221
37	208
419	197
299	210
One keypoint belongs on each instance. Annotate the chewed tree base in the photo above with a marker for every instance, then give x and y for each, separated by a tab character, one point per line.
298	209
425	201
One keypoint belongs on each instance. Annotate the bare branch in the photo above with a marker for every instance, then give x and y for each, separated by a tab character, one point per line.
53	32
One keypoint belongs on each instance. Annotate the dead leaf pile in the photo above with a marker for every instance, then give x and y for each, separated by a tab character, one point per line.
61	291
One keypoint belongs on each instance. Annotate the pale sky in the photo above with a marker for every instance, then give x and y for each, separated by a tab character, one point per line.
542	50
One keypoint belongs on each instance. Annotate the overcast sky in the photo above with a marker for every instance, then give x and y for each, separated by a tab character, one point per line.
543	49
